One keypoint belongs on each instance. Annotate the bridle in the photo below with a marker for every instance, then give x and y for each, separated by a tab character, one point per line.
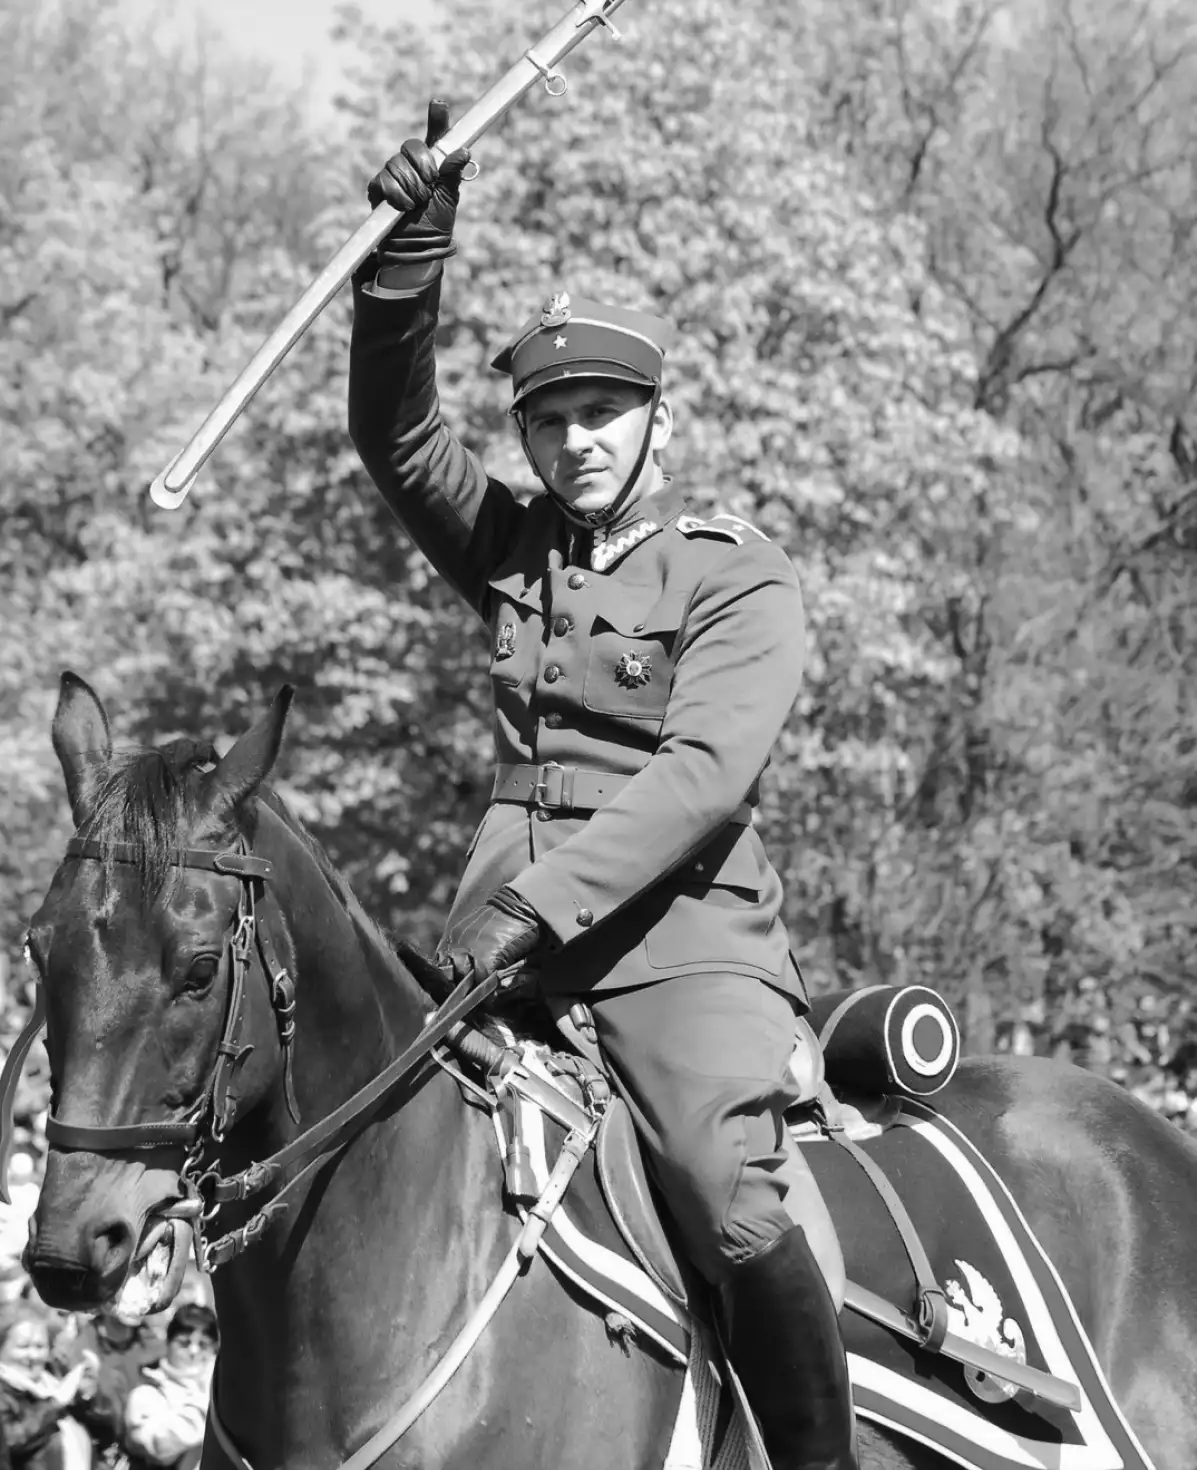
210	1117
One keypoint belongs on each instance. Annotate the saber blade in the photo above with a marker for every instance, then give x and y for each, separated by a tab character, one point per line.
172	486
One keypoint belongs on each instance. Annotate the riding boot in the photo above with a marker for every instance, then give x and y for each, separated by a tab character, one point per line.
783	1339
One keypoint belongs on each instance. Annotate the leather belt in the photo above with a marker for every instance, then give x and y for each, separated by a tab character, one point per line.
557	788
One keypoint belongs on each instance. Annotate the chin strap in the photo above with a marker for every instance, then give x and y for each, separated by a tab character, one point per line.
595	520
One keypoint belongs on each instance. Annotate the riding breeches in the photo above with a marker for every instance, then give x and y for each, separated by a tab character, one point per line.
702	1062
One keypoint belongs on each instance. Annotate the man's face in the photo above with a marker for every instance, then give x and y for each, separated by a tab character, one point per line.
585	437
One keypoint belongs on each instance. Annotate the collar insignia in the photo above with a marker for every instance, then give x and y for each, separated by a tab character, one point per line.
555	311
505	642
610	550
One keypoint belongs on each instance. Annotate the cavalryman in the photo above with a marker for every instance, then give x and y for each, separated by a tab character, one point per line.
643	662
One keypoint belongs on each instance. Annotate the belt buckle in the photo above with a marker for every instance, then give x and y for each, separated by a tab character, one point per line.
554	787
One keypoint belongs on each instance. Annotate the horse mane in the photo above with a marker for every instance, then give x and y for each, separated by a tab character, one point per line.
393	948
147	795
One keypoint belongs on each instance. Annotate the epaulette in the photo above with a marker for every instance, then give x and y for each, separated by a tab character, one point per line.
725	526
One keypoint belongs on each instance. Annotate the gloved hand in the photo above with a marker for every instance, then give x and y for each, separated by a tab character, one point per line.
423	192
505	929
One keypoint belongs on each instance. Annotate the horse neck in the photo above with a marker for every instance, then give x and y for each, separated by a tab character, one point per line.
357	1007
383	1206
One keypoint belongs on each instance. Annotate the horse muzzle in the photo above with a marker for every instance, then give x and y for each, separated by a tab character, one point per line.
109	1232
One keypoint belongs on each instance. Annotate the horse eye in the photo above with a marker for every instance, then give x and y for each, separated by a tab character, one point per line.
202	971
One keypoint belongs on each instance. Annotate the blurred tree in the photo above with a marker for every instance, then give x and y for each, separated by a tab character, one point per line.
987	782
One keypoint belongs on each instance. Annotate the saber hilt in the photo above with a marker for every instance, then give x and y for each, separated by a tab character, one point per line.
171	487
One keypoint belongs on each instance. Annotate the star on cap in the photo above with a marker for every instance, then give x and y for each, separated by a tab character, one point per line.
559	341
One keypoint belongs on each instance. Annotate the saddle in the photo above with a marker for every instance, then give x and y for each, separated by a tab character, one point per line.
959	1332
863	1031
860	1059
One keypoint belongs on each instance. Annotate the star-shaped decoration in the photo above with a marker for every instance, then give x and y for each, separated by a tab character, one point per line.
559	341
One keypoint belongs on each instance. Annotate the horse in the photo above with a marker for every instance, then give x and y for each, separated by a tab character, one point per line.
334	1313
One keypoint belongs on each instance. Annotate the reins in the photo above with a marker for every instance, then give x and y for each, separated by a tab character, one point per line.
213	1113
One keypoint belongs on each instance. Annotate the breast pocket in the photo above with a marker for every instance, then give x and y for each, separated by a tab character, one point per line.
629	666
516	630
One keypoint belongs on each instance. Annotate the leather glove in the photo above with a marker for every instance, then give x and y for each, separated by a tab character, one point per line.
424	192
505	929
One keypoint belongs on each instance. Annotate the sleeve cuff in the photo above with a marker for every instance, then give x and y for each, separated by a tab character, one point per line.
401	282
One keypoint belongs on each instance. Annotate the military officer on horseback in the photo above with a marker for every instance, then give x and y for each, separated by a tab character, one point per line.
643	662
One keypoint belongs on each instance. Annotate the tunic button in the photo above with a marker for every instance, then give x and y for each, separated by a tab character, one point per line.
577	580
585	918
543	816
561	626
552	674
553	721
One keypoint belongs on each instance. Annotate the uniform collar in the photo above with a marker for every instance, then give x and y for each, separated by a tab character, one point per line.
612	543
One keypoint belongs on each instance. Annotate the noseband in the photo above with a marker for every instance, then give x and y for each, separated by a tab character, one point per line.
213	1114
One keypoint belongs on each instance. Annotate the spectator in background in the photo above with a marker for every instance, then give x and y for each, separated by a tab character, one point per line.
123	1346
165	1415
37	1406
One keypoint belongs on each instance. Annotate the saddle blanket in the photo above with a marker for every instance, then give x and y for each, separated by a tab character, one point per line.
1002	1292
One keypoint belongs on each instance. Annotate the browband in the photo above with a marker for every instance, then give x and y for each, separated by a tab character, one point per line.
237	864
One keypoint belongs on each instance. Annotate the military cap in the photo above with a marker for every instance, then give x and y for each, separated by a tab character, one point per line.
576	338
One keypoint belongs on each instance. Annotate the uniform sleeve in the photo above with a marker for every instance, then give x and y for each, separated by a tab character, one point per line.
736	677
464	522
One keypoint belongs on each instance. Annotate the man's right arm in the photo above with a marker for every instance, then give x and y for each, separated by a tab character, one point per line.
463	521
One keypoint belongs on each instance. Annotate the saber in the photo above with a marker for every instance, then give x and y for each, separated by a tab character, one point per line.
538	63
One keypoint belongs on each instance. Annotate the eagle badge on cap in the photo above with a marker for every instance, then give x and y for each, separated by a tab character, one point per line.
555	312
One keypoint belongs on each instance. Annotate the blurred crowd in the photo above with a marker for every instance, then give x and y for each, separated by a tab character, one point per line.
107	1391
1147	1043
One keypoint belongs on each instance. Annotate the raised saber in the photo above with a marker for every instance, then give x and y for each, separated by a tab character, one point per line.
538	63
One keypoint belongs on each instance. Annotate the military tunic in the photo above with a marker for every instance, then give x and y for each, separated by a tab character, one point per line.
668	652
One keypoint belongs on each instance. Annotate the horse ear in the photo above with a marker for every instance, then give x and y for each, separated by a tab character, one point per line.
248	762
82	742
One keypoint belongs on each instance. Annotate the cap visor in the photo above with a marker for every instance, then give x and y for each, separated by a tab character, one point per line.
583	368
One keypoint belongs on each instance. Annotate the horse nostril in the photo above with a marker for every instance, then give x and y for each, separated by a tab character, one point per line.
109	1247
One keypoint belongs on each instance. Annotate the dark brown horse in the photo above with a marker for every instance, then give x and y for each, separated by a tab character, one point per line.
336	1314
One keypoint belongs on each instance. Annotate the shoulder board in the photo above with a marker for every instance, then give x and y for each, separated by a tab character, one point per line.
725	527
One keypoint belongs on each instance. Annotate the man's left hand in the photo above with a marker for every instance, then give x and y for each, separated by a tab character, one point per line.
505	930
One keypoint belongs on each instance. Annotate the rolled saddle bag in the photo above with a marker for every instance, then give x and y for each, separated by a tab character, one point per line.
887	1038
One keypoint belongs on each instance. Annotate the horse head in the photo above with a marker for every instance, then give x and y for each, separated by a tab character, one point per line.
158	1034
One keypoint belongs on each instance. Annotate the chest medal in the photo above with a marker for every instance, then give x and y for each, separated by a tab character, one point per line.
634	670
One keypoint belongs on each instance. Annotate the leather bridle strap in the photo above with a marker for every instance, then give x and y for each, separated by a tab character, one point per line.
331	1132
209	859
136	1135
356	1111
185	1132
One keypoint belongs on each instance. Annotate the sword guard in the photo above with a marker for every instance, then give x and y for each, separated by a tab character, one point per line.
554	81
